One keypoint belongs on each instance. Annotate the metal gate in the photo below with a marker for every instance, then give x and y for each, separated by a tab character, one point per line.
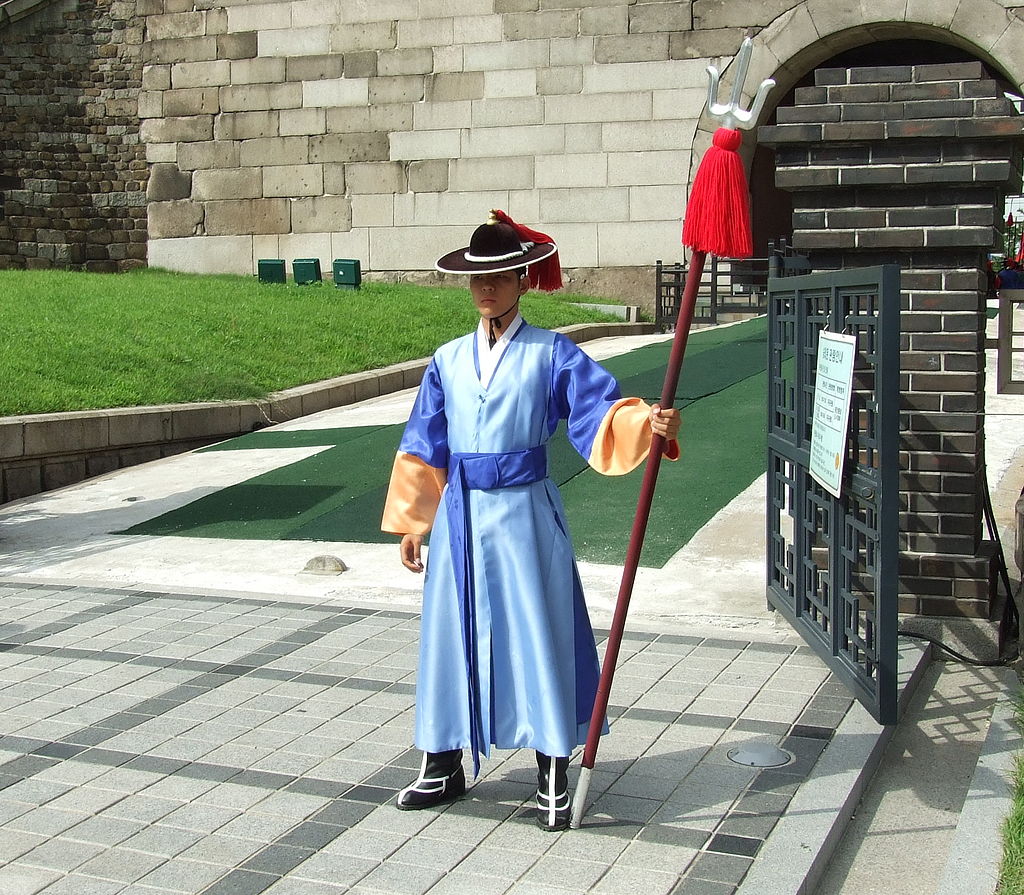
832	561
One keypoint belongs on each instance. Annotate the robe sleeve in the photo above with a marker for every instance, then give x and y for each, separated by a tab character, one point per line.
611	432
421	466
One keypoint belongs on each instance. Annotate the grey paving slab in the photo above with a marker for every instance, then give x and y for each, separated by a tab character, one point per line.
269	760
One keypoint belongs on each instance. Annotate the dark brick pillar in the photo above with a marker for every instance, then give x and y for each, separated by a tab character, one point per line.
910	165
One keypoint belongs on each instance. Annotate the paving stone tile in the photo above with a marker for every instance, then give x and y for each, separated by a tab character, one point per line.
503	863
327	868
224	851
76	884
46	821
580	874
371	845
199	817
104	829
719	868
635	879
61	854
242	883
13	843
292	886
24	880
163	841
398	879
459	883
121	864
178	875
702	887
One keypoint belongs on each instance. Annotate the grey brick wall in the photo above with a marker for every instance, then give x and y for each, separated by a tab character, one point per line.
72	168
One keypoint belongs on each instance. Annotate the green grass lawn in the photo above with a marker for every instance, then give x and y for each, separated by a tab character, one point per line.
81	341
1011	870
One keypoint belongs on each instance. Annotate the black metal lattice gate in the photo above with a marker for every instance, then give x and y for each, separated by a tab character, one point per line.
832	561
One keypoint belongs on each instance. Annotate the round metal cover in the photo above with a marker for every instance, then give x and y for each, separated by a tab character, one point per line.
760	755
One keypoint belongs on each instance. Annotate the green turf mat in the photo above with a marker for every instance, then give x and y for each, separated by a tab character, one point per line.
322	497
723	451
338	493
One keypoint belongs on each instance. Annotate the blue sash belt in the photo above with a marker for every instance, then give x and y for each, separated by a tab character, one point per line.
480	472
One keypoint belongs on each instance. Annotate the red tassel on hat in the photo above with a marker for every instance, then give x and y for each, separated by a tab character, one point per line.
545	274
718	212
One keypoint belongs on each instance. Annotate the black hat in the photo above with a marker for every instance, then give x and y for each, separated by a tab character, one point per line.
502	244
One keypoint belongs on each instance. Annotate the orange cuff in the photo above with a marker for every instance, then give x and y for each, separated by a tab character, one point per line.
624	439
413	496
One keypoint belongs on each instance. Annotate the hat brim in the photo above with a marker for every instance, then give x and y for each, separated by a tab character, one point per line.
456	262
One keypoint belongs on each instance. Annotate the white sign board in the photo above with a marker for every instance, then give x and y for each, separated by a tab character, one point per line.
832	388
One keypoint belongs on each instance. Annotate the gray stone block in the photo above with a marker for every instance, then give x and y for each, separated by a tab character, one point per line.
654	18
239	45
191	101
204	420
323	214
452	86
57	433
167	182
316	68
128	426
631	48
168	220
227	183
376	177
177	130
430	175
397	89
211	154
22	480
12	438
275	151
411	61
59	473
234	216
355	147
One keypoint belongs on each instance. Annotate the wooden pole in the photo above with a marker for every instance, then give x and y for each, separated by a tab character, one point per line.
636	538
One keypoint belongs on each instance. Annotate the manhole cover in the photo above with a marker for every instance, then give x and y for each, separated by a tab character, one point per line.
760	755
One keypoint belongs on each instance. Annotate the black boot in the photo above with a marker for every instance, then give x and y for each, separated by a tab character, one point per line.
441	779
553	805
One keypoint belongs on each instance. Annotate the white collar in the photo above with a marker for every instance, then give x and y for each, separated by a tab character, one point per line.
483	335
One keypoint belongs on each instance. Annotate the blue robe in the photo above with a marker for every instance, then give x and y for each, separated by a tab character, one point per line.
516	667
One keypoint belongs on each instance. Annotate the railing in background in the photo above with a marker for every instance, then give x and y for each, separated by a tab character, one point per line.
729	287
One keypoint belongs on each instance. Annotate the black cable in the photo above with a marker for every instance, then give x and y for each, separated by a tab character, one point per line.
991	663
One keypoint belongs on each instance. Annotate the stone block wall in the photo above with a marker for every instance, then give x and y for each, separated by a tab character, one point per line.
910	165
72	167
385	131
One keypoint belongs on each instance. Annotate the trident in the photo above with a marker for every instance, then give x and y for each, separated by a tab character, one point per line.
720	171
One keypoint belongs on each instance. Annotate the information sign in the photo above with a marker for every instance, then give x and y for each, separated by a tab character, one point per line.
832	391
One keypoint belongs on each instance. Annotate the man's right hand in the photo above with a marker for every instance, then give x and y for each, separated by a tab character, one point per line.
410	549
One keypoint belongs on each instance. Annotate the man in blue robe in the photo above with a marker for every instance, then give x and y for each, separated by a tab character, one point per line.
507	654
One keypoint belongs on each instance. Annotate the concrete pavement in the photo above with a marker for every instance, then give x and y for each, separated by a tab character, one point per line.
190	716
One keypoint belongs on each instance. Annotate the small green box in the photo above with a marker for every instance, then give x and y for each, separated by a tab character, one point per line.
306	271
347	273
271	270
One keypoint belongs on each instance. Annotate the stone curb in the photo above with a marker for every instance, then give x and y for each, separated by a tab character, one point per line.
977	850
799	848
39	452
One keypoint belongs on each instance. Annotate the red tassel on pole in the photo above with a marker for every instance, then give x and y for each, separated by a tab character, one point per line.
545	274
717	217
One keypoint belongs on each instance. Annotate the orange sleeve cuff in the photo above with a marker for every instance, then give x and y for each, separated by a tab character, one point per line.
624	439
413	496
